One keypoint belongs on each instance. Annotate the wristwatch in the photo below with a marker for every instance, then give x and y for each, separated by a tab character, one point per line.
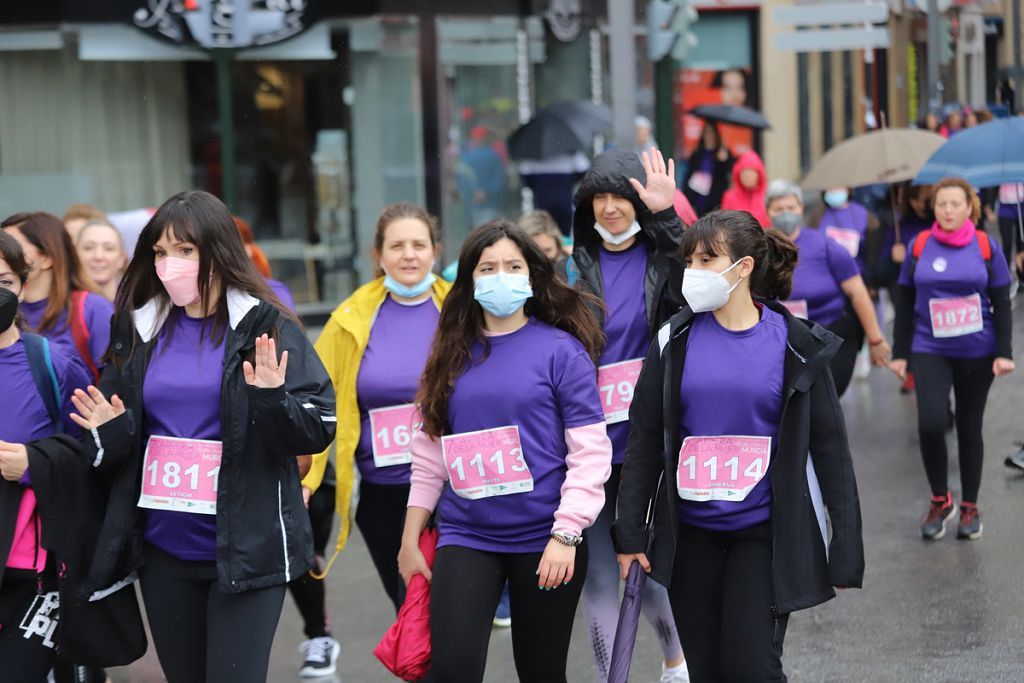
566	539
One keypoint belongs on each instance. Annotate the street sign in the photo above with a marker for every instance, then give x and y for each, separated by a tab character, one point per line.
832	14
833	39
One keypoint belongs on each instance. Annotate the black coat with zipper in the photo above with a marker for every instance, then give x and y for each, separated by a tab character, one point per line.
263	532
812	423
661	231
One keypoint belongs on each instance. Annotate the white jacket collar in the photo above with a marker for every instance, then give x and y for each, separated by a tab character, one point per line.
151	317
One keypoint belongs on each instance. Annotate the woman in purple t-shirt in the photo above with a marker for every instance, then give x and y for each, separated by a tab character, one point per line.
59	302
955	328
827	286
194	437
513	423
735	421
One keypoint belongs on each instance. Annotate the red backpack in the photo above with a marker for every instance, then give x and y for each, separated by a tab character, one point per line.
80	331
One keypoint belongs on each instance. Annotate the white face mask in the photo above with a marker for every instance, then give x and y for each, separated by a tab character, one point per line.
621	237
706	290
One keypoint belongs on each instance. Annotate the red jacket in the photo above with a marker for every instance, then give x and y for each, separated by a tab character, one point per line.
739	198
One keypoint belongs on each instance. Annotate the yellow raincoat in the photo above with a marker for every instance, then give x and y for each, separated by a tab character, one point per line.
341	346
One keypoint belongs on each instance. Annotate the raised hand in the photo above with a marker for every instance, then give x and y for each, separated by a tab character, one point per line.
94	409
661	182
268	373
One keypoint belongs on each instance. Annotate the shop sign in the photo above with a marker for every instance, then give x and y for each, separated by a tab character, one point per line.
232	24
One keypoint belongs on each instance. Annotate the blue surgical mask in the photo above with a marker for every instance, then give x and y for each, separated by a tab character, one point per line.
502	294
836	198
409	291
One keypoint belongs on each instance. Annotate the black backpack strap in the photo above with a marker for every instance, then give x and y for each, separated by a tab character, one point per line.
37	348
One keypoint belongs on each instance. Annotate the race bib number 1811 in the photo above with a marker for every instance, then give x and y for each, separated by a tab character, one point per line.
181	474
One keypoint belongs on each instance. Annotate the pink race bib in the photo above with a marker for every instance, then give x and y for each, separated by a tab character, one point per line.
848	239
617	383
393	429
956	317
180	474
486	463
700	182
797	307
721	467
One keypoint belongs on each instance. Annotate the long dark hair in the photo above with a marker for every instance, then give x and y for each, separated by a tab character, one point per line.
737	234
46	233
14	255
462	320
202	219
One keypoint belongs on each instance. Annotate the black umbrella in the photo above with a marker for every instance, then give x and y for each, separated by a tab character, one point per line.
732	114
562	128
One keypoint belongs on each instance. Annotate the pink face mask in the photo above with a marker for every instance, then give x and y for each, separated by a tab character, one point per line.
180	278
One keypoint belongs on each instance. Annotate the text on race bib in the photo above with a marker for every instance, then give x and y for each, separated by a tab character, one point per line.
181	475
956	317
617	383
798	307
700	182
393	429
847	238
486	463
721	467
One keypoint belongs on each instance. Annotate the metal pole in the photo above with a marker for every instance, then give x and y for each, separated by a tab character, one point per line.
622	45
664	105
1018	77
934	36
223	59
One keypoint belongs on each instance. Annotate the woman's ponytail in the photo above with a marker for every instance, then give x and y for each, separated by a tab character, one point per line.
773	277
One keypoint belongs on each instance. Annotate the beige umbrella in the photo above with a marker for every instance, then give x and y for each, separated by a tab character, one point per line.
890	155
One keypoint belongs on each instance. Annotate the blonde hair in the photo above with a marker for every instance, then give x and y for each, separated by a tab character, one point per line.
969	192
540	222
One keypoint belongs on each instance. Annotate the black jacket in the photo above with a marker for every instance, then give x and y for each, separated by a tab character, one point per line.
662	232
721	177
263	532
812	422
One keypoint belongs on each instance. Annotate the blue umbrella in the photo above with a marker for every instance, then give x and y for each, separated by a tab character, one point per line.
985	156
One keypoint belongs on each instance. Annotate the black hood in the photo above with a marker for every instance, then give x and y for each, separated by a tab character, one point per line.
610	172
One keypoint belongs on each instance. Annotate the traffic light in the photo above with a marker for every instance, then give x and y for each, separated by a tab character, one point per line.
661	31
685	20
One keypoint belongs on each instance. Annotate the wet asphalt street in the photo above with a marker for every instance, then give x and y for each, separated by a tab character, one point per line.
944	611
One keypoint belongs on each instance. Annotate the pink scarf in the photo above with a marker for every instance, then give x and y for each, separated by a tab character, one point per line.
960	237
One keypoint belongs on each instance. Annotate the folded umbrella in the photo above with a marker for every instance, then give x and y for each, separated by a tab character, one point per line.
732	114
562	128
890	155
405	648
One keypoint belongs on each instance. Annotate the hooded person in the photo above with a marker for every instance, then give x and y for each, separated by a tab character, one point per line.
747	193
626	251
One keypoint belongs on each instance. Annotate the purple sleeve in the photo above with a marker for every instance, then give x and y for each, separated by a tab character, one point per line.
71	375
577	393
840	262
98	312
283	293
1000	271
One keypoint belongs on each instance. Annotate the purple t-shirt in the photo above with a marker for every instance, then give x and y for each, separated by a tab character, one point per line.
23	415
732	386
180	367
98	312
853	216
823	265
389	374
283	293
944	272
625	323
542	380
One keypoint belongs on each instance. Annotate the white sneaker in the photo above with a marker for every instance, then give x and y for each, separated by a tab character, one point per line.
320	657
677	674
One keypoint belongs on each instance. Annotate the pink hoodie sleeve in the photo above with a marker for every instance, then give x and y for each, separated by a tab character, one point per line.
428	472
590	464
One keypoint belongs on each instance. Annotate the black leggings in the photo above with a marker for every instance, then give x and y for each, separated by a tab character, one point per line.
970	379
463	595
200	633
849	329
308	593
721	596
380	517
1009	231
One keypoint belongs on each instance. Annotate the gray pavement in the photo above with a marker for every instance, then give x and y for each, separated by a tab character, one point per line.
945	611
